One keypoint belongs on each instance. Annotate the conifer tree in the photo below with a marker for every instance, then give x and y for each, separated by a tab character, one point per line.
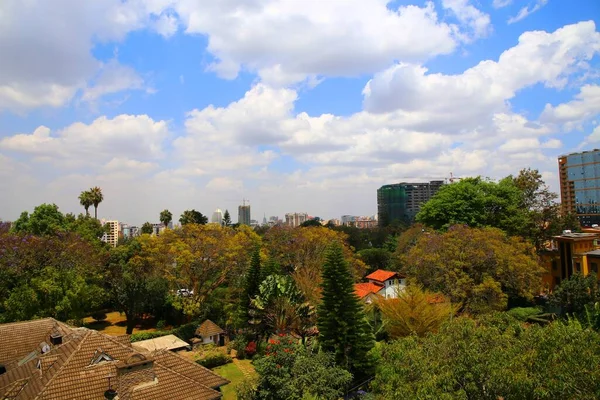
253	280
271	267
226	218
343	328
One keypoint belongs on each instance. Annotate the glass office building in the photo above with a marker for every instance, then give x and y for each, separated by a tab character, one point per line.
402	201
580	185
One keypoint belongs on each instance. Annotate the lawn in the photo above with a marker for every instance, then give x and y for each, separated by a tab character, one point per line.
115	324
233	373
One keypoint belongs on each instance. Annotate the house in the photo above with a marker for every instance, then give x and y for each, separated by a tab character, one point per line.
48	360
209	332
167	342
382	283
568	254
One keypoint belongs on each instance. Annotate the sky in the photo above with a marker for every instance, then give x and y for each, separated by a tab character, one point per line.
295	106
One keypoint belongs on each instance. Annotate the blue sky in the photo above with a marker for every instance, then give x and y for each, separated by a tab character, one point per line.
297	106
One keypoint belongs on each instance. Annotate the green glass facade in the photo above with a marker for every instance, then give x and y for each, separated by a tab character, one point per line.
402	201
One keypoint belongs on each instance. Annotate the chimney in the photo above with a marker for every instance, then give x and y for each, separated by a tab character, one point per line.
110	394
56	338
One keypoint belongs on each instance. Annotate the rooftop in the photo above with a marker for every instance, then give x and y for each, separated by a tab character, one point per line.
167	342
382	275
208	328
364	289
577	235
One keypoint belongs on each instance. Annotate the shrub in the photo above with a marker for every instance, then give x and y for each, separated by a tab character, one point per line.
160	325
136	337
186	332
214	359
239	345
99	316
250	349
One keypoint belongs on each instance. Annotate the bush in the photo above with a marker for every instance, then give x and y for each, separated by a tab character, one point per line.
214	359
99	316
186	332
136	337
250	349
160	325
239	345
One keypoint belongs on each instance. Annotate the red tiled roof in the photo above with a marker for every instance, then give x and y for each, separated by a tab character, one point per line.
381	275
363	289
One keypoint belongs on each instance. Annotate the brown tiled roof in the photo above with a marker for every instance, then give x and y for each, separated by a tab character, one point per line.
208	328
19	339
189	368
80	369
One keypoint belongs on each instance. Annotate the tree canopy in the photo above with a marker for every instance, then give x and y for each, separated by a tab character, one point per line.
193	217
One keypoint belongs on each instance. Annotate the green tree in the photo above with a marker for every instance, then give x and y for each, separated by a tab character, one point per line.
193	217
574	294
343	329
166	217
290	371
46	219
87	227
86	200
147	228
253	280
311	222
375	258
478	268
477	202
226	218
97	197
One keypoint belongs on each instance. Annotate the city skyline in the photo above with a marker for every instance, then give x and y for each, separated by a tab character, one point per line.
183	105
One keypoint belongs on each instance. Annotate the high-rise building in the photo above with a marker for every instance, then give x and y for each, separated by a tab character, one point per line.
217	217
111	236
295	219
579	175
402	201
244	214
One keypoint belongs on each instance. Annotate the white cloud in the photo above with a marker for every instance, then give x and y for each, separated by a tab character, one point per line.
470	16
112	78
527	11
87	144
501	3
585	106
285	41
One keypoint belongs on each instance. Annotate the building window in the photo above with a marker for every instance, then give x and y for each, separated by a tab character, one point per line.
595	267
577	267
554	265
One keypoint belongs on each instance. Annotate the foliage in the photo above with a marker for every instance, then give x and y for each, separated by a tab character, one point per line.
301	253
478	268
250	349
139	336
476	202
97	197
147	228
280	308
160	325
45	220
531	314
49	276
226	218
469	360
166	217
415	312
253	280
99	316
184	332
214	359
291	371
86	200
574	294
343	329
87	227
239	344
193	217
311	222
375	259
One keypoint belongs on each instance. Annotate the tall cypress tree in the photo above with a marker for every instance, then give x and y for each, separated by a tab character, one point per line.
253	280
343	328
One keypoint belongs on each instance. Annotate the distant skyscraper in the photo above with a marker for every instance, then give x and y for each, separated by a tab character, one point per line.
579	175
295	219
111	236
402	201
217	217
244	214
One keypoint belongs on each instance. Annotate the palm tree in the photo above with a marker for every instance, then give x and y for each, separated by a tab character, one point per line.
166	217
97	197
85	199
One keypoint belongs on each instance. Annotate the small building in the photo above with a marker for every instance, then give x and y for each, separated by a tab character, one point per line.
211	333
391	283
167	342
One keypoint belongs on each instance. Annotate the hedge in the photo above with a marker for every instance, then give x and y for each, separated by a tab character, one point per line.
214	359
183	332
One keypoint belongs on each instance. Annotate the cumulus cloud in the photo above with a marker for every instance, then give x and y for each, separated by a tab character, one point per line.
527	11
572	114
112	78
477	21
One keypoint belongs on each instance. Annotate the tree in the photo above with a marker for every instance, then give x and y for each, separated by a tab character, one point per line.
253	280
193	217
311	222
574	294
375	258
226	218
477	268
147	228
85	199
477	360
97	197
166	217
477	202
343	329
46	219
291	371
87	227
414	312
